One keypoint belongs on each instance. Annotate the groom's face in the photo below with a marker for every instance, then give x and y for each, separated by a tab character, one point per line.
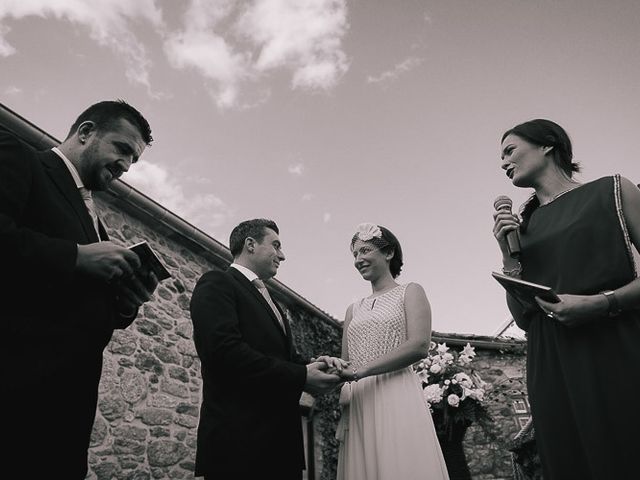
267	255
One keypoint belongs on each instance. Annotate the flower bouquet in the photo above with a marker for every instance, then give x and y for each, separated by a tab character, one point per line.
454	391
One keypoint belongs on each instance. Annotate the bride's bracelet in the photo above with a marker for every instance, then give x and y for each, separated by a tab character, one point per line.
355	374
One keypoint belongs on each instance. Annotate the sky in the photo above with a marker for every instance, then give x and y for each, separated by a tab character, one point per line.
322	114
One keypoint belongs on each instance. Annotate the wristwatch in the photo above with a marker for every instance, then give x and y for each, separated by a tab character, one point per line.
614	306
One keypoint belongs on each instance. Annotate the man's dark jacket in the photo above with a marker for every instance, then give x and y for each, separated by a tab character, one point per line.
250	419
55	322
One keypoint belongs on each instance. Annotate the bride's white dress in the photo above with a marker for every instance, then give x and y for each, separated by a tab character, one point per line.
386	431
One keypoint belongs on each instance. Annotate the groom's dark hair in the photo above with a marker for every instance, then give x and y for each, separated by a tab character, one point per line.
249	228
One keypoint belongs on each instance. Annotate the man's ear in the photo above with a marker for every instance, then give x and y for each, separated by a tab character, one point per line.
85	130
250	244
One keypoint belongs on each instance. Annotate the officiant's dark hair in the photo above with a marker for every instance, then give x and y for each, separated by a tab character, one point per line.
254	228
544	133
395	265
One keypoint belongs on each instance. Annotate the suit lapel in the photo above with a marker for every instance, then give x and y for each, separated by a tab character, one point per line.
244	281
59	173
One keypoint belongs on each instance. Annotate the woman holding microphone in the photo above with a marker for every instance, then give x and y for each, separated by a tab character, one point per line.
583	352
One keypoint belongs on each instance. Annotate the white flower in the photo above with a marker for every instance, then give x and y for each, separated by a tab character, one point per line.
435	368
468	351
453	400
463	379
367	231
432	393
442	348
464	360
447	358
423	375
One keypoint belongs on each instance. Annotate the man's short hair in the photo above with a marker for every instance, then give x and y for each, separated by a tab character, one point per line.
249	228
106	114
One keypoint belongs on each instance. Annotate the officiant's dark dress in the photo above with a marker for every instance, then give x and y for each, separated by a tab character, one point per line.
583	382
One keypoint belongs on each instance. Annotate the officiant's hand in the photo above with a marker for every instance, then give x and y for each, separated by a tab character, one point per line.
575	310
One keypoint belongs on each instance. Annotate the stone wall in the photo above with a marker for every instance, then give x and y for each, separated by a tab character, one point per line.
148	409
149	402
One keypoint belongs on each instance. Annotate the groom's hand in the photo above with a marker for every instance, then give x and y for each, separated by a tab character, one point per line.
319	379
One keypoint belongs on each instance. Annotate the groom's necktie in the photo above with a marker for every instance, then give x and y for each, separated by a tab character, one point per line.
259	284
88	201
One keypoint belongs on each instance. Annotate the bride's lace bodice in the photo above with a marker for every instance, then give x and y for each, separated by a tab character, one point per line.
377	326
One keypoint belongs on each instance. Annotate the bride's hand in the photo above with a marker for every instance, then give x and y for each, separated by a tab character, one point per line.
334	364
348	374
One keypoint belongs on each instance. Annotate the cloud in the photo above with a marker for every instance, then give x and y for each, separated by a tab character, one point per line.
307	197
213	58
296	169
326	217
205	211
401	68
234	43
109	22
5	49
12	90
303	35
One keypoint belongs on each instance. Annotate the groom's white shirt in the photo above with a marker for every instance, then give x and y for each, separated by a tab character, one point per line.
251	276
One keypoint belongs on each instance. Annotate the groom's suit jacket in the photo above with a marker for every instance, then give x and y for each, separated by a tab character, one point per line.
55	323
252	376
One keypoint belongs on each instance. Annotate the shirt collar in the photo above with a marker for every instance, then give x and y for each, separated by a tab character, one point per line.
70	166
250	274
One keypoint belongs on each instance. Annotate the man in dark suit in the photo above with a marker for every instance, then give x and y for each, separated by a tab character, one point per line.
250	424
66	289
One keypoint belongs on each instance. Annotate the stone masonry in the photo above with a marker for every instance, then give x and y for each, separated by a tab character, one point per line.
145	425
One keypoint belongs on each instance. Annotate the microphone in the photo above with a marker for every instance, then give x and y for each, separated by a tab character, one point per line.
513	237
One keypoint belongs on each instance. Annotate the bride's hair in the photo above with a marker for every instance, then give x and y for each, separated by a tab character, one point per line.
395	265
382	238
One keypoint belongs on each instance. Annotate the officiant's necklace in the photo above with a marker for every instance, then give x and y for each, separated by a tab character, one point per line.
558	195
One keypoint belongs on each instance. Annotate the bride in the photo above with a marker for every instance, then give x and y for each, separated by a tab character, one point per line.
386	431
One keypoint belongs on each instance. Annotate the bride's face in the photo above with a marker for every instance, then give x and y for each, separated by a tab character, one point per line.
369	260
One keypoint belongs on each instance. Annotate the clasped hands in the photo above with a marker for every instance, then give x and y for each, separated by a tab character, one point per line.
326	373
336	366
